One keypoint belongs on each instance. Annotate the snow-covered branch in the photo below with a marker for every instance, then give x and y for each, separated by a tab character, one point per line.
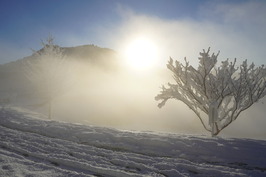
221	93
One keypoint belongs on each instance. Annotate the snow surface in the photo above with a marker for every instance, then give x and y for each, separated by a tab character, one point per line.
32	146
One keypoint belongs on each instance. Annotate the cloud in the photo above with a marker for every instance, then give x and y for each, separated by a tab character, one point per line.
245	20
235	29
243	13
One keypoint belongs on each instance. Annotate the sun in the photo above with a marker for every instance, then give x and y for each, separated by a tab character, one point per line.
141	53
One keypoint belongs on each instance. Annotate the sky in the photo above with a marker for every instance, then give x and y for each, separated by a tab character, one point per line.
176	28
181	28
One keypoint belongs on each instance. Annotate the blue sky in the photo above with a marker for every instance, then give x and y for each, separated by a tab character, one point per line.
105	23
24	20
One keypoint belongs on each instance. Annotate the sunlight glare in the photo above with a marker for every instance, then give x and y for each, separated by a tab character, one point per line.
141	53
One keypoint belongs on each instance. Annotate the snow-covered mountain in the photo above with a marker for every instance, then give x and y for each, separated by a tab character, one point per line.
15	86
89	53
33	146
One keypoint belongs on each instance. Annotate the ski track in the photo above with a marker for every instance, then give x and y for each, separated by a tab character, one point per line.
35	147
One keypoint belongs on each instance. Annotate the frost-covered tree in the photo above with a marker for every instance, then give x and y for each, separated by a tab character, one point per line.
47	71
217	95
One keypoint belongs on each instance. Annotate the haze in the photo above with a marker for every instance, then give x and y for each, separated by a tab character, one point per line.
124	98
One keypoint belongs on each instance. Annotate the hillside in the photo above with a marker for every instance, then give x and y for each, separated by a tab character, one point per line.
89	53
15	85
32	146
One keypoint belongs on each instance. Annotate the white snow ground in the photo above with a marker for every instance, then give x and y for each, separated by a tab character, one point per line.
31	146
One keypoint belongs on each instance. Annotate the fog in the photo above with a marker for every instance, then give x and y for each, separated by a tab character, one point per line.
237	31
118	98
123	98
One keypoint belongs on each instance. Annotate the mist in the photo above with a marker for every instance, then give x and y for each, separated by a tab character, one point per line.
119	99
125	100
234	30
122	98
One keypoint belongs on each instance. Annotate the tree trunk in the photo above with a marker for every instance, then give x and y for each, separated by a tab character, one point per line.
213	129
213	116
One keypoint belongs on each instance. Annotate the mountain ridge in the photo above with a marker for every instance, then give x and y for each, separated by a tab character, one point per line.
89	53
13	78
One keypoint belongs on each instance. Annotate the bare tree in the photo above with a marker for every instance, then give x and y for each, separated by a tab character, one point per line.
220	93
47	71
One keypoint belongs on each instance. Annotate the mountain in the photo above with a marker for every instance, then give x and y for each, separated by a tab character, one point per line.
32	146
102	57
12	75
92	54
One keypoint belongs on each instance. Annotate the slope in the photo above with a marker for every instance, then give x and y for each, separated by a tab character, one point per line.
15	85
31	146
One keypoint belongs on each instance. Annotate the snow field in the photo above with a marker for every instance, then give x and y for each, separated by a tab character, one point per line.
31	146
